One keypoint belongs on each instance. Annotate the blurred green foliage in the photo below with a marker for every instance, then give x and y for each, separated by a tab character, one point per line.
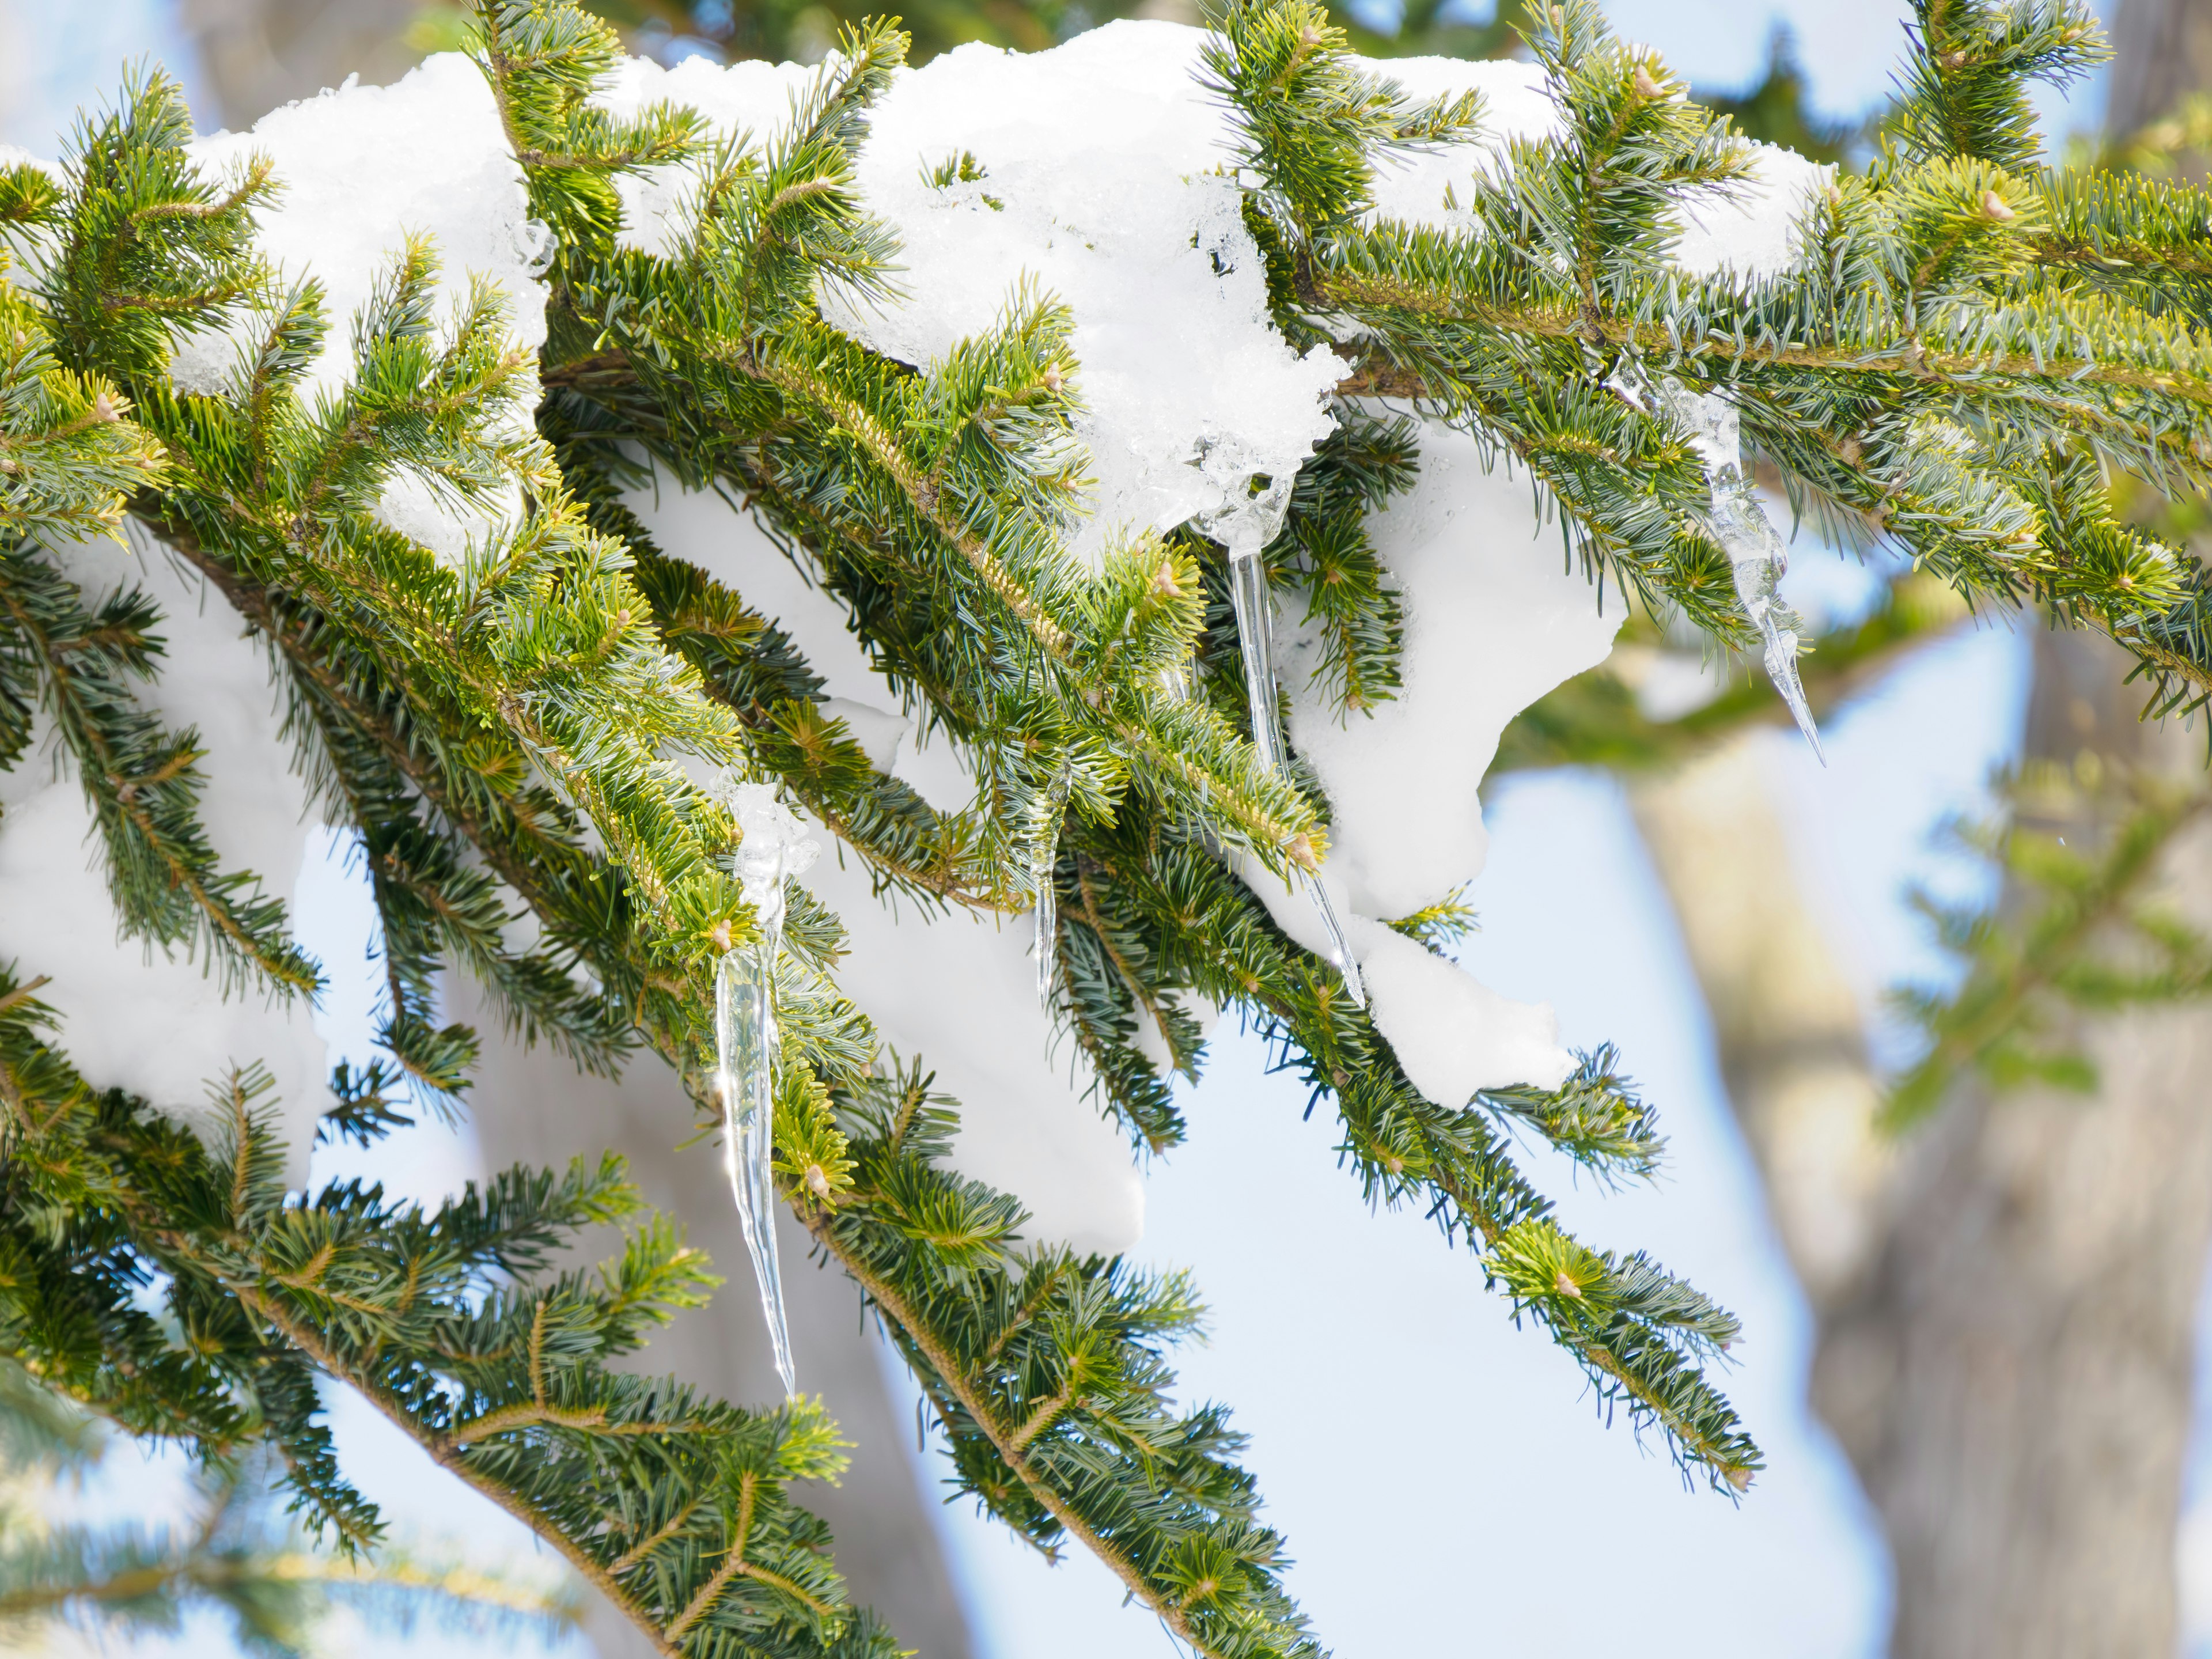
803	30
1774	110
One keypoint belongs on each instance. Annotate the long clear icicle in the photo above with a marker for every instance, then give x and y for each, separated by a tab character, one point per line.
774	846
1247	591
1044	854
1756	553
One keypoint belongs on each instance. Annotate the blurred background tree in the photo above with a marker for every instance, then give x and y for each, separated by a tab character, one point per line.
259	53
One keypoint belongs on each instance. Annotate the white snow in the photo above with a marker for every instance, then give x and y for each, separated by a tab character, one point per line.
1749	229
960	991
132	1017
1752	229
1494	618
744	102
361	169
1105	180
1517	104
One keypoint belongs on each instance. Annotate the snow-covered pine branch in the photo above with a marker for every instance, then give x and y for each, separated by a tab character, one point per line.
575	438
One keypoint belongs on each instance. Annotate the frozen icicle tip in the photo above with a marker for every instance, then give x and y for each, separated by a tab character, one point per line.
1811	733
1784	676
1356	987
1047	933
1339	948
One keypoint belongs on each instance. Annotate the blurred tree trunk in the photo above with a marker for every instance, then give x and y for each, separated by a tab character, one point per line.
2006	1300
257	54
2161	53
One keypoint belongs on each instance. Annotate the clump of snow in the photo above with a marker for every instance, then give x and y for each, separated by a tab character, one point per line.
130	1016
1494	618
1106	178
1752	228
1452	1033
1517	104
959	990
361	169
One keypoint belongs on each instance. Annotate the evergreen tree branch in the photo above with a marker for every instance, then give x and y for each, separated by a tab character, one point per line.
1941	330
444	1323
1043	1368
143	781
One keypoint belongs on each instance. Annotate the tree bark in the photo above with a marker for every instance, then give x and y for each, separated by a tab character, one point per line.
2006	1300
1787	1025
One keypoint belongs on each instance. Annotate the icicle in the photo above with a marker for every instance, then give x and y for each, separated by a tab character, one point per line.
1248	589
1340	949
1755	550
1044	854
1245	530
776	846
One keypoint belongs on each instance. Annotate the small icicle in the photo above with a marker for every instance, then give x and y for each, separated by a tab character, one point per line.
1758	559
776	846
1756	554
1044	854
1048	933
1340	949
1247	591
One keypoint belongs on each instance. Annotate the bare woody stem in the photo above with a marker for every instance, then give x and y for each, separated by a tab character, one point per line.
1908	358
1011	1443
